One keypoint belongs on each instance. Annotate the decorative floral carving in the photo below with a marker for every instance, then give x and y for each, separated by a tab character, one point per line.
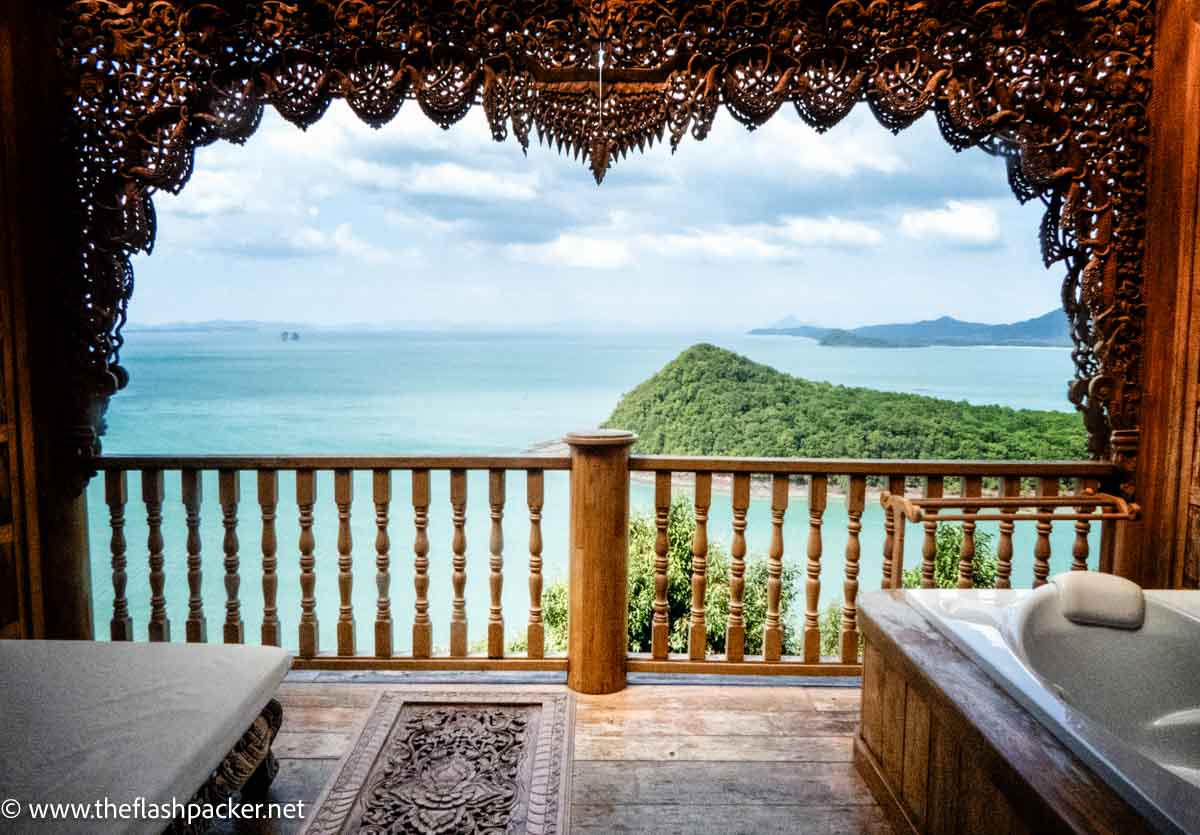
1058	87
455	762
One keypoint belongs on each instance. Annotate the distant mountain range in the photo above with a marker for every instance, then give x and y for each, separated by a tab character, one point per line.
1050	329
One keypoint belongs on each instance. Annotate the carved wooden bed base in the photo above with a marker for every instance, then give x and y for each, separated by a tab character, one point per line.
248	769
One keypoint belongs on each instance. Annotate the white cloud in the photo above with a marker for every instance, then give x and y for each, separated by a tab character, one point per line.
749	242
960	223
830	231
454	180
210	192
573	250
621	242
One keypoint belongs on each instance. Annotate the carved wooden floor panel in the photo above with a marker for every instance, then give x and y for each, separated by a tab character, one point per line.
652	759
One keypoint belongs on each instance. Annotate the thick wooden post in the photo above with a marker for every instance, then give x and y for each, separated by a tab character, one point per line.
599	560
1162	548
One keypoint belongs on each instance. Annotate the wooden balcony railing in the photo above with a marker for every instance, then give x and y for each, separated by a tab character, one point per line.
601	470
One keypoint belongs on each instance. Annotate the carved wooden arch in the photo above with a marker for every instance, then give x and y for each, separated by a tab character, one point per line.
1058	87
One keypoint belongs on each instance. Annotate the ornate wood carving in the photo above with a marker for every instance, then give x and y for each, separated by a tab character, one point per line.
1059	88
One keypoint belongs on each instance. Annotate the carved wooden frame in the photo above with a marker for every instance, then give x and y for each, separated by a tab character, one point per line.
1058	87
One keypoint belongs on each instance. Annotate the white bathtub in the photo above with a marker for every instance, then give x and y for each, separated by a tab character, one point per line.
1126	702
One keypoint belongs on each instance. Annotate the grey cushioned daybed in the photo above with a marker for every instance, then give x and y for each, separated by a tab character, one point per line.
85	721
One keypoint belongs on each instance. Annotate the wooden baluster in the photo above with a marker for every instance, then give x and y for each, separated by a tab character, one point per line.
735	630
268	501
1041	548
458	613
899	525
1083	528
535	491
933	490
381	490
817	493
772	634
697	626
660	630
856	502
1010	487
343	497
229	491
496	564
972	488
121	626
422	631
152	496
197	626
896	488
306	497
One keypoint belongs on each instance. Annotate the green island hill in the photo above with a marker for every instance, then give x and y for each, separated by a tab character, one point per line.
710	401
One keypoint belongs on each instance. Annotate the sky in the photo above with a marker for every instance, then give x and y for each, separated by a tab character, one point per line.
411	225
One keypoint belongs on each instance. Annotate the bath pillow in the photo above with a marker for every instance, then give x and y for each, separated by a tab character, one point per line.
1095	599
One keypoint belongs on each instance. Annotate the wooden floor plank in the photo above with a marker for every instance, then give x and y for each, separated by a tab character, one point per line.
704	697
718	748
652	819
308	745
674	784
834	698
635	722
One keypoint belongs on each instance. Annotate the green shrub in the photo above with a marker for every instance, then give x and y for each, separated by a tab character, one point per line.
945	563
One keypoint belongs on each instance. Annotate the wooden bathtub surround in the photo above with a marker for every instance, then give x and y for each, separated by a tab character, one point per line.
944	749
597	637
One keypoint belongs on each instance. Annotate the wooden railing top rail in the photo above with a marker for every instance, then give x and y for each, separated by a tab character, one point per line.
868	466
333	462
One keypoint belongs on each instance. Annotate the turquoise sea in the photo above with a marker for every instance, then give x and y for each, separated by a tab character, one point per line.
410	392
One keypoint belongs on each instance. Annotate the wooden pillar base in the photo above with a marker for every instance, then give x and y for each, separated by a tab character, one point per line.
772	645
235	633
309	643
197	631
345	638
496	639
536	640
458	639
383	639
735	643
422	640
